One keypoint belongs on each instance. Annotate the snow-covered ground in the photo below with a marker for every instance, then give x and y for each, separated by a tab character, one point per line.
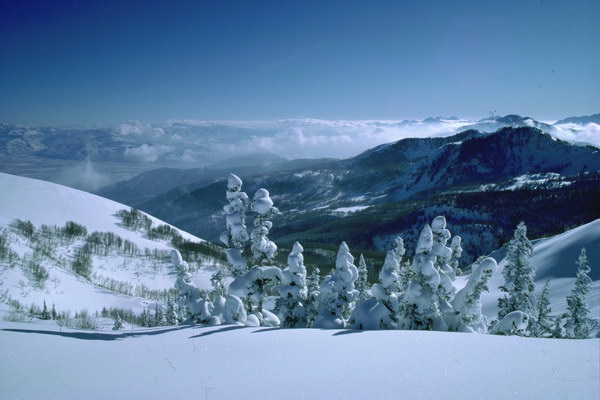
231	362
47	203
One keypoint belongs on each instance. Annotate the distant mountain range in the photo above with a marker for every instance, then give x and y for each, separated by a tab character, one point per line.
485	183
90	158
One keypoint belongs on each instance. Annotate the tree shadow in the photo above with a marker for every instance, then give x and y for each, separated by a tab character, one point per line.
348	332
220	330
97	335
267	330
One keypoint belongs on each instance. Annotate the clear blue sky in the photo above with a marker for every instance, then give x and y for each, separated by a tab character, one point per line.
87	62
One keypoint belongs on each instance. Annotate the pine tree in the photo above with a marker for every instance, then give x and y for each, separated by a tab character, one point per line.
236	235
457	250
541	325
466	315
118	325
578	321
53	313
361	282
263	249
338	295
159	316
387	292
171	314
518	276
312	299
293	291
45	314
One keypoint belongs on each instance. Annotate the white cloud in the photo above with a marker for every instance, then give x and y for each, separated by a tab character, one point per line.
576	133
146	153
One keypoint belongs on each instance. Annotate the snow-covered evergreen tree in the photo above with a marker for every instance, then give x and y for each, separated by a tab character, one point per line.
118	325
466	315
541	324
455	246
338	294
518	276
293	291
387	292
253	285
361	281
419	307
45	313
403	268
53	313
263	249
236	235
171	317
159	316
234	311
578	321
312	300
219	291
196	301
513	323
446	289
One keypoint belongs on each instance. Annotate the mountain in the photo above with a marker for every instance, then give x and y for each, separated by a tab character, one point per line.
150	184
511	121
588	119
485	183
72	249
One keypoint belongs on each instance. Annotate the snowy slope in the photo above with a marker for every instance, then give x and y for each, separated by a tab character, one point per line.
555	259
47	203
231	362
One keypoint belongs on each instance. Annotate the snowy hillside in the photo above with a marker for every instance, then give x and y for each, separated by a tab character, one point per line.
233	362
554	258
108	265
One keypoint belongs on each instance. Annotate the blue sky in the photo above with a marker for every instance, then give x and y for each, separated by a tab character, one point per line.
95	62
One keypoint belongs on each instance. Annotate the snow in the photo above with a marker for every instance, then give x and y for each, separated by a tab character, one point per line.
350	209
49	203
233	362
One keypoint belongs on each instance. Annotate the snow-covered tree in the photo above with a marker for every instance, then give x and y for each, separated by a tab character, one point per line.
361	281
234	311
263	249
53	313
518	276
219	291
446	289
540	325
578	321
293	291
254	284
171	317
513	323
236	235
45	313
159	316
387	292
419	307
455	246
118	325
466	315
312	299
338	294
403	267
196	301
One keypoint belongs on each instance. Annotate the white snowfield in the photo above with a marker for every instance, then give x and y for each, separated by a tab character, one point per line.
48	203
232	362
